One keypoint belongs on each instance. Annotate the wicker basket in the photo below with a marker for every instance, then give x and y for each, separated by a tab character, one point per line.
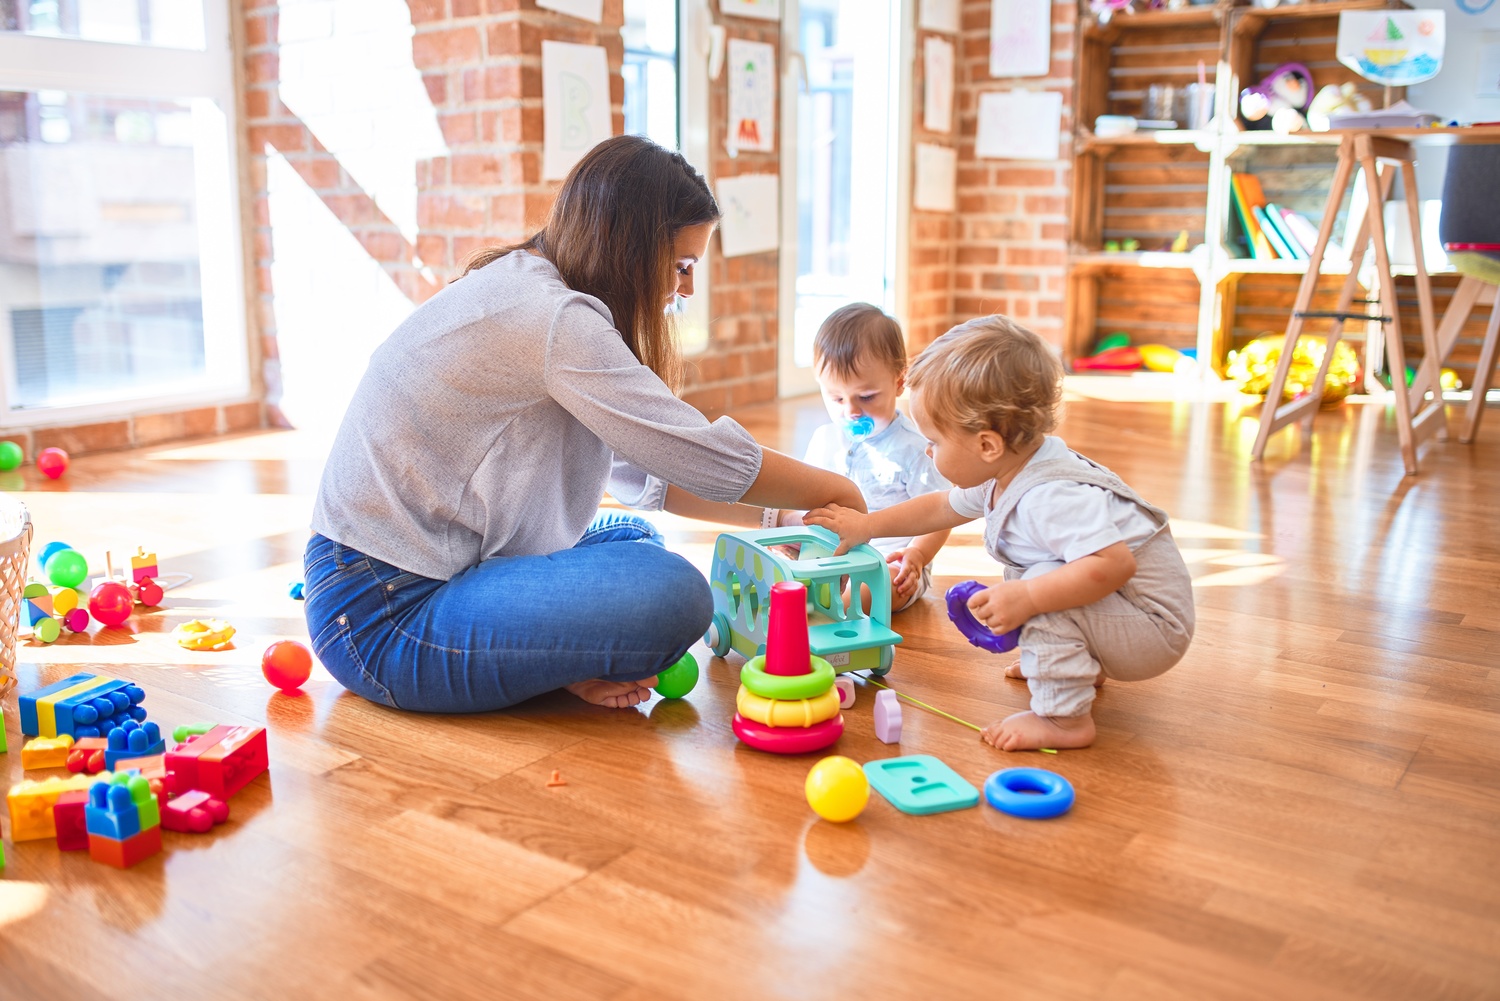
15	552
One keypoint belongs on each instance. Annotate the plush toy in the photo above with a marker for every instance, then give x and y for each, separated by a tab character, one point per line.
1333	99
1279	101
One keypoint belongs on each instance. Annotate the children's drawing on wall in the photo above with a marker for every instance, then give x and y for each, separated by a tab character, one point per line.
1395	47
588	10
765	10
575	104
1020	37
752	97
937	81
751	206
1019	125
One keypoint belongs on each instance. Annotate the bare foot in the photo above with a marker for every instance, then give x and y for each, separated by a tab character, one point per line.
1029	732
1013	670
613	694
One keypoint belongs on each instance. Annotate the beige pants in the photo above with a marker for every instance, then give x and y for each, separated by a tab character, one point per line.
1133	634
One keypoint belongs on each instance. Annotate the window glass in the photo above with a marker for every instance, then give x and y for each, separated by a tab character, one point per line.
100	274
177	24
650	70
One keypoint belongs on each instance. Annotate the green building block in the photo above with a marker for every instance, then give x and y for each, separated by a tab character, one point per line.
2	730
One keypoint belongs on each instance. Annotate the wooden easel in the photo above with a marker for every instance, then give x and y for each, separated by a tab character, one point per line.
1417	418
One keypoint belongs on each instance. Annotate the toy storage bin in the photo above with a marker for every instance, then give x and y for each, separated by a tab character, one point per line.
15	552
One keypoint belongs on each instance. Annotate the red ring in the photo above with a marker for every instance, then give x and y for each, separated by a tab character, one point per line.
788	739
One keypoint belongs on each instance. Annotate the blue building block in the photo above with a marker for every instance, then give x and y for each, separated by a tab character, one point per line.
95	712
27	702
133	740
121	808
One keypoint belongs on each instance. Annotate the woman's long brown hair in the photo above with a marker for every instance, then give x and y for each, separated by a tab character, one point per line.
610	235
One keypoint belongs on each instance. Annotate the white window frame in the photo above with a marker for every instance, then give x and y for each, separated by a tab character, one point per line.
693	22
108	69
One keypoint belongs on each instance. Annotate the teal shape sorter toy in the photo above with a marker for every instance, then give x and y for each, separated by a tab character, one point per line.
920	784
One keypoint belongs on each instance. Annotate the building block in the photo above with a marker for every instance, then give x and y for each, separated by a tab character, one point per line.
121	808
187	730
47	752
845	685
28	703
888	717
220	762
133	740
68	815
143	565
87	755
94	713
920	784
153	769
3	748
193	812
126	853
31	802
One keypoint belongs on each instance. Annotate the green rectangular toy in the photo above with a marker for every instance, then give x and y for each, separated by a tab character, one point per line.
920	784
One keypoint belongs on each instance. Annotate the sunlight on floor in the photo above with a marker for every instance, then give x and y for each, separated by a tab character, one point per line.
260	446
20	900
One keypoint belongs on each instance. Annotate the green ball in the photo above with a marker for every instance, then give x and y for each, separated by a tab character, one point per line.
679	679
10	456
67	568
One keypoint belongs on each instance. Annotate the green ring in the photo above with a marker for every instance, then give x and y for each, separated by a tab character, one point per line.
782	686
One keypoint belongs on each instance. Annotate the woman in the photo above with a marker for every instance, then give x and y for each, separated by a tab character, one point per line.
457	563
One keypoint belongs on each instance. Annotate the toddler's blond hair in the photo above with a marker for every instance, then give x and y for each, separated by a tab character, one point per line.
990	374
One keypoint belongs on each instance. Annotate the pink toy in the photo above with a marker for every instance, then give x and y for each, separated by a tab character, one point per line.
787	650
845	685
111	603
193	812
52	462
888	717
788	739
77	620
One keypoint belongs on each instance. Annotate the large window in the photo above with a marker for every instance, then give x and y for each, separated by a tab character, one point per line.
119	265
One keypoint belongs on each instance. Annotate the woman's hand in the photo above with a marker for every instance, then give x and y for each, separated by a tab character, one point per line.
1004	606
851	525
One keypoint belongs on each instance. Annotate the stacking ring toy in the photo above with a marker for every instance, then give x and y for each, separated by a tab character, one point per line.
787	686
787	712
1033	793
788	739
973	630
204	634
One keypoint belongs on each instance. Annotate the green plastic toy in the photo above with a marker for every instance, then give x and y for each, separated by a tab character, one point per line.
920	784
10	456
679	679
186	730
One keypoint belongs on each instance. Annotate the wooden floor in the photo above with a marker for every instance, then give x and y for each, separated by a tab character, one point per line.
1307	806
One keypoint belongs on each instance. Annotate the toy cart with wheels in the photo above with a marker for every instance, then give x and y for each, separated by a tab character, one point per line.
745	566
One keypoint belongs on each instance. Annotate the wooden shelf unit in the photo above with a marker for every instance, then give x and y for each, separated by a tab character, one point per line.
1151	186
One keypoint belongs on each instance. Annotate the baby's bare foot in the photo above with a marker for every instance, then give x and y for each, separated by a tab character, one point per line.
1013	670
1029	732
613	694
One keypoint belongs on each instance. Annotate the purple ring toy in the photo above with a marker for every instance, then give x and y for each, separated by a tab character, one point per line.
972	629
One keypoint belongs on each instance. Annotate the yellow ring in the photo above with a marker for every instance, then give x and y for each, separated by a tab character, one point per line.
204	634
787	712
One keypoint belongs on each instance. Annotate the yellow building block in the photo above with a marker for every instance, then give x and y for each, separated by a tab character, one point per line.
31	804
47	752
46	706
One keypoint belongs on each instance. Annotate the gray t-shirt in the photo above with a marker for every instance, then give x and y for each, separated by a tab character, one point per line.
487	424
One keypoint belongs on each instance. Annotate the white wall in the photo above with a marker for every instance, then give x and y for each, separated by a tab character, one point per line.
1452	93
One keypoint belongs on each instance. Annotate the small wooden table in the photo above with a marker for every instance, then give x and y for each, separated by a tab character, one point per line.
1417	417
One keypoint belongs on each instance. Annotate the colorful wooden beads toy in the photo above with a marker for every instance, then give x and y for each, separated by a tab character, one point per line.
39	612
1033	793
70	605
143	573
845	686
193	812
787	703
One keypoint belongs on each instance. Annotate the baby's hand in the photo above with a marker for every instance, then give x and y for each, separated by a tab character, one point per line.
1004	606
847	522
906	572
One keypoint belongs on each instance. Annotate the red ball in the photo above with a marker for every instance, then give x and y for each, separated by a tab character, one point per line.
286	664
111	603
53	462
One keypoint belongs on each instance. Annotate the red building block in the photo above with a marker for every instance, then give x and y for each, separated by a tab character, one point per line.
221	762
126	853
72	829
193	812
87	755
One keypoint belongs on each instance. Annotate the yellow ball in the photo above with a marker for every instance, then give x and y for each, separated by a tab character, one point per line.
837	789
65	599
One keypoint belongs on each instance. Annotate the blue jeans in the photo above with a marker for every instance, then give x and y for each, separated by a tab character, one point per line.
616	606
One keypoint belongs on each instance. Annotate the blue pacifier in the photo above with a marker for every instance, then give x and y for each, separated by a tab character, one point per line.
861	426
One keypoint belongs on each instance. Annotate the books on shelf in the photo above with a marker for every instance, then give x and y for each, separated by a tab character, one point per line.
1247	196
1272	232
1282	233
1303	229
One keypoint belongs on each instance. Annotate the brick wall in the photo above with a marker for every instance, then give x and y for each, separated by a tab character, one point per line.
1010	245
739	365
930	240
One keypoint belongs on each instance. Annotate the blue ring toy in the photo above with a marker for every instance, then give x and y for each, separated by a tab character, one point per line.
1014	791
973	630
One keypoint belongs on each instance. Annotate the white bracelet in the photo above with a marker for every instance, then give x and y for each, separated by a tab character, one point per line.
769	516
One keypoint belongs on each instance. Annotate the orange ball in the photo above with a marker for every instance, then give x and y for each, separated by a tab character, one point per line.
286	664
